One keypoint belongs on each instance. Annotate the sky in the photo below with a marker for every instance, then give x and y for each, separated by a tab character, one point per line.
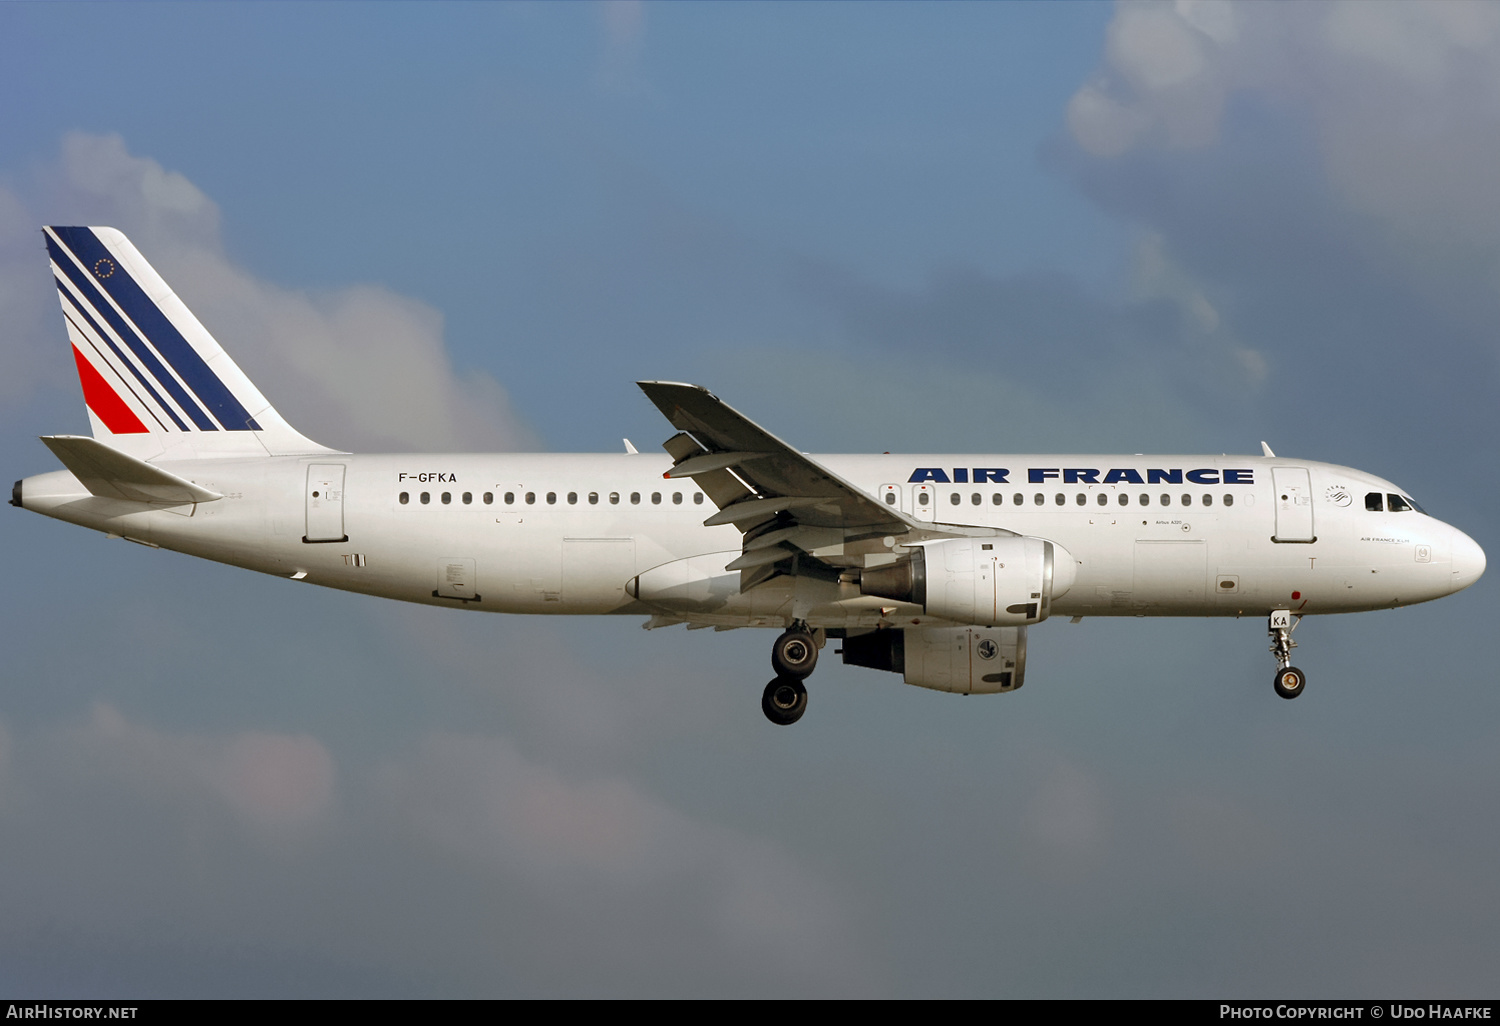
1146	227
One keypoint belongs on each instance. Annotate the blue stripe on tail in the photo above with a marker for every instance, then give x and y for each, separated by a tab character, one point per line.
72	304
155	325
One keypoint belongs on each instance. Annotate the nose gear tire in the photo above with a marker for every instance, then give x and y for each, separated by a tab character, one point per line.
1290	682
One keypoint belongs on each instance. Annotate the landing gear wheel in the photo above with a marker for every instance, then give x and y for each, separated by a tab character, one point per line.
1290	682
784	701
794	654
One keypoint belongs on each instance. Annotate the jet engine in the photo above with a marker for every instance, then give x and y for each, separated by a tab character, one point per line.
962	660
1007	581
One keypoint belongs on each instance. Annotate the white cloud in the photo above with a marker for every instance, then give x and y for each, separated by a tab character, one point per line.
1164	74
478	799
1403	98
252	840
280	783
360	367
1158	276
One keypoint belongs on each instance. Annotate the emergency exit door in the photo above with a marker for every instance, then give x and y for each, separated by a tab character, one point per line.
1294	508
325	503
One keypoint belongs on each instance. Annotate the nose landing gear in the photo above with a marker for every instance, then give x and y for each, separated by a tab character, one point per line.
793	657
1290	681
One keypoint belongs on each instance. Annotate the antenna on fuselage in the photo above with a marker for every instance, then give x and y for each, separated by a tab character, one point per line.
1266	449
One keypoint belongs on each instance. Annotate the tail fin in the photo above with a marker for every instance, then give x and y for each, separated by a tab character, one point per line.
156	383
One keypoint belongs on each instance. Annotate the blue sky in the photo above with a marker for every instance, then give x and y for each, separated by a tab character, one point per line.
1025	227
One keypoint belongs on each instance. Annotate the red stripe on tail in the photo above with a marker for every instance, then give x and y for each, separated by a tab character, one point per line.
105	401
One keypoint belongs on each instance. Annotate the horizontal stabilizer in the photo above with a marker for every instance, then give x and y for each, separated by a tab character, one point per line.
110	473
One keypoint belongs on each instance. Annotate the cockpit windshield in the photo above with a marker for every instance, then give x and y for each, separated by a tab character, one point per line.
1377	502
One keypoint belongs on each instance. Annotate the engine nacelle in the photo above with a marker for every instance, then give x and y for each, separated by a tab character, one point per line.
963	660
997	582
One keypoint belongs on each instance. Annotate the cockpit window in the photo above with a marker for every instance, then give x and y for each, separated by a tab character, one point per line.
1397	504
1375	502
1414	506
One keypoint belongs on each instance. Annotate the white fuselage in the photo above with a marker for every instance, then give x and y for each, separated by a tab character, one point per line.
550	533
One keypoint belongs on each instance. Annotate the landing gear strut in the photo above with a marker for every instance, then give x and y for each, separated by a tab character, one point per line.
1290	681
792	657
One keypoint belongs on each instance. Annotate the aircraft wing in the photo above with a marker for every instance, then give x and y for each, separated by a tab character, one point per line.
784	502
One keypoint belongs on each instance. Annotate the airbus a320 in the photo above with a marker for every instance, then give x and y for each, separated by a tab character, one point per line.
930	566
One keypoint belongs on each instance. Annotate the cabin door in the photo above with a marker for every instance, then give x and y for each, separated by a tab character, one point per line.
325	503
1294	509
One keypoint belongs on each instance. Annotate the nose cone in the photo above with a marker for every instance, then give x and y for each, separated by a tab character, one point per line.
1468	561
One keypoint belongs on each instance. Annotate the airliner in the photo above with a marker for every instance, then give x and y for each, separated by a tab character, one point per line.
931	566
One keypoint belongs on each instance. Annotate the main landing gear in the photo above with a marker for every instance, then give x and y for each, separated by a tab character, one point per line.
1290	681
793	657
784	701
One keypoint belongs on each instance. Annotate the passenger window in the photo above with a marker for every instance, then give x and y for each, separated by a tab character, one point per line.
997	499
551	498
677	498
1396	504
656	498
954	499
426	498
489	498
698	498
1082	499
1208	500
404	498
1124	498
1187	499
975	499
572	498
593	498
1229	500
614	498
1019	499
1374	502
530	498
447	498
921	498
1040	499
1166	499
890	498
1060	498
1104	498
468	498
635	498
510	498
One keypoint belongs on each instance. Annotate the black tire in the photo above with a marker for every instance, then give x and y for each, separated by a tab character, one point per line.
1290	682
784	701
794	654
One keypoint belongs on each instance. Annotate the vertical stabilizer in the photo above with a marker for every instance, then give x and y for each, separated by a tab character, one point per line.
156	383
